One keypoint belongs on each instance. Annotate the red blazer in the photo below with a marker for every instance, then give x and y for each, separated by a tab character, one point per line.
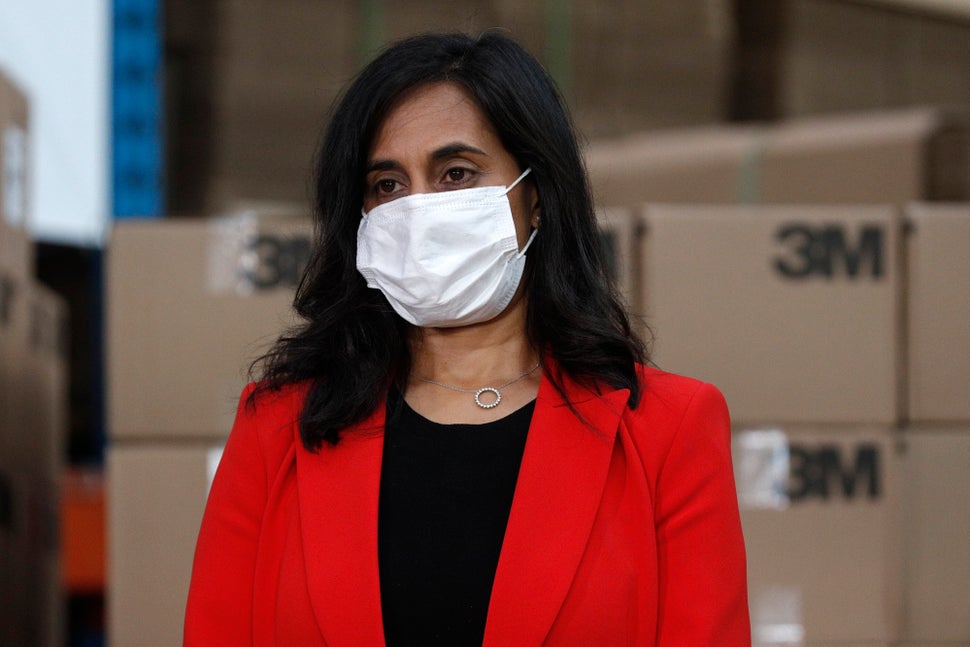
626	535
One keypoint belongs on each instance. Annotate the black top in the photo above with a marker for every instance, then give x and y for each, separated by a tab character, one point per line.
446	492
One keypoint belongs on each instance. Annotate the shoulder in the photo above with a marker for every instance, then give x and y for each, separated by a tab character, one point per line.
270	417
669	393
263	400
672	405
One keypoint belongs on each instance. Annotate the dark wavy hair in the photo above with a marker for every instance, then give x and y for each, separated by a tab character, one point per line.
351	345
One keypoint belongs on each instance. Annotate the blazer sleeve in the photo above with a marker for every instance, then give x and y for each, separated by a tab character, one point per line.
702	572
220	602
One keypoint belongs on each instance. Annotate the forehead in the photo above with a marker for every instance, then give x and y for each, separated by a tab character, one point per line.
431	116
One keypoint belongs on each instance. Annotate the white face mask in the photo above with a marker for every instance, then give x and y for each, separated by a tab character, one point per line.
444	259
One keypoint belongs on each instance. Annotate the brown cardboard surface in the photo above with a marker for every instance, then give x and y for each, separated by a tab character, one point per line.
870	157
938	304
846	55
695	166
46	399
274	69
190	303
156	495
819	507
937	527
45	384
16	252
278	65
668	66
619	235
877	157
791	311
33	409
14	337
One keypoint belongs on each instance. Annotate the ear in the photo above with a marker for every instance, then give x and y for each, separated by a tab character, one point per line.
536	210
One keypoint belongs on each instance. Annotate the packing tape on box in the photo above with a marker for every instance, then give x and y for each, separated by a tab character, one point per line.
750	169
14	172
761	465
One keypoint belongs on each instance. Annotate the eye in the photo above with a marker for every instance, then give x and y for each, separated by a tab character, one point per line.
456	177
386	186
457	174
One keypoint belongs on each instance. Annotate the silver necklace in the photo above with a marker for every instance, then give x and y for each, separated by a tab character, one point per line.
497	390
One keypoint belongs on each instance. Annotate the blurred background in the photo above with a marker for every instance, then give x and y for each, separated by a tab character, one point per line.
783	189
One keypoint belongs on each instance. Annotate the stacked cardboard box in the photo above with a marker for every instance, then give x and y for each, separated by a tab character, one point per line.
274	68
33	408
885	157
190	303
938	429
838	56
793	312
626	68
13	343
851	419
33	405
839	335
16	253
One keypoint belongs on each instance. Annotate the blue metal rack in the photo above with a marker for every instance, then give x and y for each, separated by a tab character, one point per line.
137	169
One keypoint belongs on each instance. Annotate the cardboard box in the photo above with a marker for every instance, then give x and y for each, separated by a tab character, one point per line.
16	252
938	305
819	507
848	55
791	311
14	336
156	496
873	157
634	69
619	236
33	395
937	528
695	166
276	66
191	302
45	382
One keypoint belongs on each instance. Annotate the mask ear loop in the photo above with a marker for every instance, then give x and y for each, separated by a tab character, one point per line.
532	237
534	231
517	180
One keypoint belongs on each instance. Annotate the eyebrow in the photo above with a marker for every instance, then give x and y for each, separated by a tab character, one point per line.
447	150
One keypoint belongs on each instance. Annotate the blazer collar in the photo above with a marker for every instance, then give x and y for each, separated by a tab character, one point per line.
560	482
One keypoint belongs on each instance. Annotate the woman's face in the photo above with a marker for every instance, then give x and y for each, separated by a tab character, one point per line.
438	139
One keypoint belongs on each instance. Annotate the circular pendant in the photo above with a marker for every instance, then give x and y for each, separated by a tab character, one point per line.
487	389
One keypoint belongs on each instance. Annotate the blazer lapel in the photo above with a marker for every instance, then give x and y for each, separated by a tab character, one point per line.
338	493
561	480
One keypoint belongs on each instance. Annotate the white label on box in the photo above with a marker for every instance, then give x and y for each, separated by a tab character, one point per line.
761	465
244	258
212	459
776	617
230	260
14	207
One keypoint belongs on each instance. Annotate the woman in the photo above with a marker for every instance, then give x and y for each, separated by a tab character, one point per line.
462	444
